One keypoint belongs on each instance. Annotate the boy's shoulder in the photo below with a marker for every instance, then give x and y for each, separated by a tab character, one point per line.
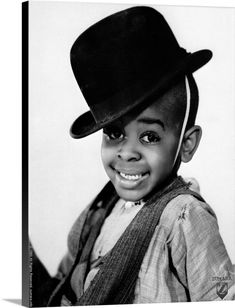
75	232
187	214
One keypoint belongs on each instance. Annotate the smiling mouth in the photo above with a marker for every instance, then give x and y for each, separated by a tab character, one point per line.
131	177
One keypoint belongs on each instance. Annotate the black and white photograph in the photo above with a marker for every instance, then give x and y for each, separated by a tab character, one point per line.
131	153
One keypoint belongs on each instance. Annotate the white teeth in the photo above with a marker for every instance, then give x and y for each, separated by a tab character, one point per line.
131	177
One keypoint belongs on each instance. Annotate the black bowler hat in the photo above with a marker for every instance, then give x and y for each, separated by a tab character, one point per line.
124	62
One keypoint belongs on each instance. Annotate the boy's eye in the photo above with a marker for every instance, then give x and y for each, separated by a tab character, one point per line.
150	138
113	134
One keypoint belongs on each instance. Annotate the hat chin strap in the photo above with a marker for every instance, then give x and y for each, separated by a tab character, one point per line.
185	118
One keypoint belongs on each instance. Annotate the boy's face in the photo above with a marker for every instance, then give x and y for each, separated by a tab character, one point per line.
138	153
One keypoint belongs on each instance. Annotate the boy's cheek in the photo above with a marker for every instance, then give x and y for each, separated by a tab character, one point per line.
107	162
107	155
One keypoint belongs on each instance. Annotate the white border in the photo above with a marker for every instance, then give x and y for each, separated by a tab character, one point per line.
10	19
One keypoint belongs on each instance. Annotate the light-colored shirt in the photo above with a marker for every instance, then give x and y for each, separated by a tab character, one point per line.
186	259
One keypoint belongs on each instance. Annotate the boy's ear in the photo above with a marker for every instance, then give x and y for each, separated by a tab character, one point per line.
190	143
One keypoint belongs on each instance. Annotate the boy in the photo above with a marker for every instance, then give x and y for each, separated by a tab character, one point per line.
147	237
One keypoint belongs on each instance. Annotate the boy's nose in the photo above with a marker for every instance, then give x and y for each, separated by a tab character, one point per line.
129	152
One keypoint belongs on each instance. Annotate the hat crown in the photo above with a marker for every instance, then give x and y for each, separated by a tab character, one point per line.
122	50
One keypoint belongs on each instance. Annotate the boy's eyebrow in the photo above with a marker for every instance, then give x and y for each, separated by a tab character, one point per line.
148	120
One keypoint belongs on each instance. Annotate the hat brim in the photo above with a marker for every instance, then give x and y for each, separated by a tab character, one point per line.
85	124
